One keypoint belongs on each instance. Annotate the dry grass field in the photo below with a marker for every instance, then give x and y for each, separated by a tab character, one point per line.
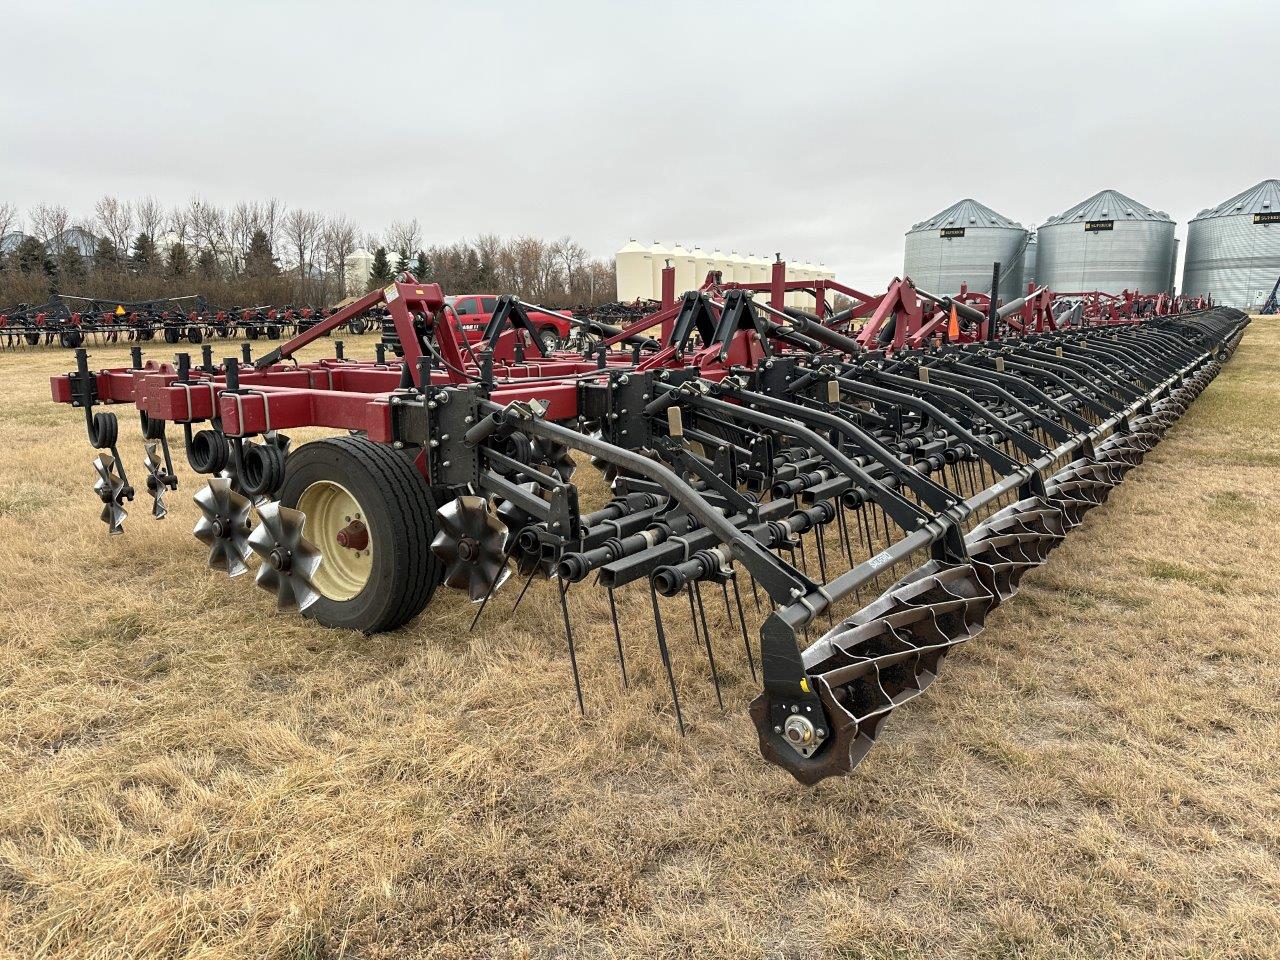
187	773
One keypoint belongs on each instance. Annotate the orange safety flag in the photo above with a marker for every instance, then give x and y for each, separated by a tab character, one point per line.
953	328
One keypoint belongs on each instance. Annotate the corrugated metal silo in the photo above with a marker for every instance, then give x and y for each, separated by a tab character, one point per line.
1029	263
959	245
1109	242
1233	249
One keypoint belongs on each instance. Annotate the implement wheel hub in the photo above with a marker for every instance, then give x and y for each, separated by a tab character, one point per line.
468	549
334	516
280	558
354	536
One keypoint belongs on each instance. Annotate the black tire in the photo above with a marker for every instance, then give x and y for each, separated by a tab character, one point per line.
32	338
358	326
71	338
401	516
273	332
549	339
194	334
171	334
251	332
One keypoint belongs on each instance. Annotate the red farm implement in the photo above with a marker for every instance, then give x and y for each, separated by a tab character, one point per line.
889	469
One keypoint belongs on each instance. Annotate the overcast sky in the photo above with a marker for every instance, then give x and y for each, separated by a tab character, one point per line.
821	130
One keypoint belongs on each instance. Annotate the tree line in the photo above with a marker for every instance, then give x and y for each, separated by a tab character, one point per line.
255	253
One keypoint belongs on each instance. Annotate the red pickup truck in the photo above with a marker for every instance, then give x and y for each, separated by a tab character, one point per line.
475	309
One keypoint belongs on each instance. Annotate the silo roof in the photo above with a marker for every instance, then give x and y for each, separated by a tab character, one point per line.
1263	197
966	213
1109	205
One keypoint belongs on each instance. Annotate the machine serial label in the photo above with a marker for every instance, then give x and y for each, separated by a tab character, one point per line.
1094	226
1268	217
951	232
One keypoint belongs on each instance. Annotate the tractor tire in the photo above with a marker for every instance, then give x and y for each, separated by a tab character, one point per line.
333	481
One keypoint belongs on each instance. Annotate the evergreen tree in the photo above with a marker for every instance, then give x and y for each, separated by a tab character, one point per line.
105	255
207	265
402	262
472	270
31	257
179	260
421	267
380	269
71	265
260	261
143	256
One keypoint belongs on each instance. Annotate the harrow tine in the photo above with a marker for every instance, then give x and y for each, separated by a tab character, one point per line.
617	636
742	623
665	653
493	585
573	652
696	591
525	589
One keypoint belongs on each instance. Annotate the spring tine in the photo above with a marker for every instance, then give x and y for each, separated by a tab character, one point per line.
755	592
804	559
524	589
742	622
666	657
693	615
696	590
617	636
844	532
493	585
573	653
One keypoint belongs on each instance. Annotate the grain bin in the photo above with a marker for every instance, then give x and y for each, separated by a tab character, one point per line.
1233	249
682	260
741	267
1110	243
703	263
760	272
633	268
1029	263
659	255
960	244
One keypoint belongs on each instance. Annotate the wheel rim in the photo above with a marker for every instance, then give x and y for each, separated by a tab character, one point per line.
334	516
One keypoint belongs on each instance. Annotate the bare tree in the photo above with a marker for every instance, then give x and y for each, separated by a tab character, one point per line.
404	237
339	243
209	228
571	257
180	223
114	220
48	221
150	216
8	218
301	232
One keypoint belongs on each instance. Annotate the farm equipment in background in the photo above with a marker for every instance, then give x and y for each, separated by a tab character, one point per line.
72	321
891	470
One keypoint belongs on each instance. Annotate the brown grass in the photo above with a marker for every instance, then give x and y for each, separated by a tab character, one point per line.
187	773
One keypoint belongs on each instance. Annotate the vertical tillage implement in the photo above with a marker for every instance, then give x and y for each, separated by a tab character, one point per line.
756	455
